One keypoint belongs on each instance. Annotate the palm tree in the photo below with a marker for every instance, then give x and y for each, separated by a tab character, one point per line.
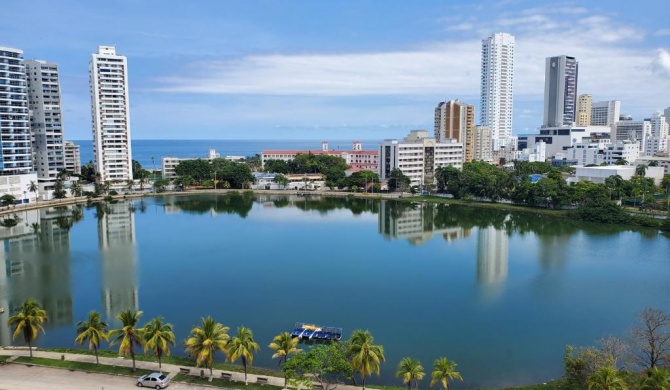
157	336
75	188
365	356
606	378
242	346
284	345
32	187
205	340
28	320
93	330
128	336
657	379
641	170
410	370
443	371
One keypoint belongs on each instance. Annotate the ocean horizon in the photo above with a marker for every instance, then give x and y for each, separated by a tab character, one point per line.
144	149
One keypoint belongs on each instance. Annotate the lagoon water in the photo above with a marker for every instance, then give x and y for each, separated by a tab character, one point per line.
500	293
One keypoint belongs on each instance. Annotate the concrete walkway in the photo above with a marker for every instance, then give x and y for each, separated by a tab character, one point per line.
170	369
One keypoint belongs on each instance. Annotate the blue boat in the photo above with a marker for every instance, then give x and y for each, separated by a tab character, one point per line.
314	332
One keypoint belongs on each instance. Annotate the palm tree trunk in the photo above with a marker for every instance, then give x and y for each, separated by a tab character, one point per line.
159	361
244	363
97	361
363	383
132	355
30	348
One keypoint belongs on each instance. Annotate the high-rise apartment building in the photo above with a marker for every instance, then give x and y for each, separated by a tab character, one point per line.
478	145
605	113
560	91
15	147
584	106
659	125
453	119
497	92
46	123
110	110
72	158
633	131
666	114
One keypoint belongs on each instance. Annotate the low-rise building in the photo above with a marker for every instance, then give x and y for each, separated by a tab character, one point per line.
356	157
633	131
169	164
599	174
19	187
560	139
663	162
621	150
418	156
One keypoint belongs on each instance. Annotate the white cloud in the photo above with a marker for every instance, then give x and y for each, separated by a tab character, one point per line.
461	27
664	32
661	64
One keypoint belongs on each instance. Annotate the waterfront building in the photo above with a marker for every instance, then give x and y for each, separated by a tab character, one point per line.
633	131
605	113
584	107
560	91
453	120
72	153
559	139
46	122
168	164
497	87
621	150
418	156
599	174
478	145
110	111
15	147
356	157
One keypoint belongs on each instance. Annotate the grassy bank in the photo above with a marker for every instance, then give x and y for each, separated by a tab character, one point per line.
217	382
485	205
82	366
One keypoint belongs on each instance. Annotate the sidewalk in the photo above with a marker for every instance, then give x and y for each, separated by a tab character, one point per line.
170	369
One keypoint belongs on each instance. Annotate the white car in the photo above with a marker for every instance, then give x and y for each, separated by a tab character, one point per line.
156	380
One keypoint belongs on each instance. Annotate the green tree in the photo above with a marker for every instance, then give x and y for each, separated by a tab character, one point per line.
277	166
75	189
161	184
158	336
93	330
621	162
242	346
281	180
641	170
410	370
366	356
444	370
606	378
205	340
128	336
59	189
33	187
7	199
398	180
197	169
284	345
327	364
656	379
29	321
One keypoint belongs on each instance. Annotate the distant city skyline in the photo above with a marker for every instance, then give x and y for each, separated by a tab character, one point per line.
299	70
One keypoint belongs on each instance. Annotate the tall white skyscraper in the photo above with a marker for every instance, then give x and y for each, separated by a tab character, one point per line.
560	91
497	81
15	148
110	110
46	126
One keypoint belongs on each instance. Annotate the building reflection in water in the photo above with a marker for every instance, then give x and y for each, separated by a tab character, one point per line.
35	259
116	235
492	258
416	223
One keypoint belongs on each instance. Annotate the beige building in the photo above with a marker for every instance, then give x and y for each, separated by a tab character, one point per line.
584	103
453	119
478	144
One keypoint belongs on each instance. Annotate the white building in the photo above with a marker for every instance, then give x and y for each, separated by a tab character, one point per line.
621	150
15	147
654	145
46	122
110	111
633	131
497	92
559	139
72	157
560	91
418	156
19	187
537	153
168	164
588	153
605	113
663	162
599	174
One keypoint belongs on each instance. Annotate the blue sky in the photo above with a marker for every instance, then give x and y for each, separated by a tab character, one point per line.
253	69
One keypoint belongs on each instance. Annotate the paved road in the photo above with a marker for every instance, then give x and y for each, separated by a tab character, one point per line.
22	377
